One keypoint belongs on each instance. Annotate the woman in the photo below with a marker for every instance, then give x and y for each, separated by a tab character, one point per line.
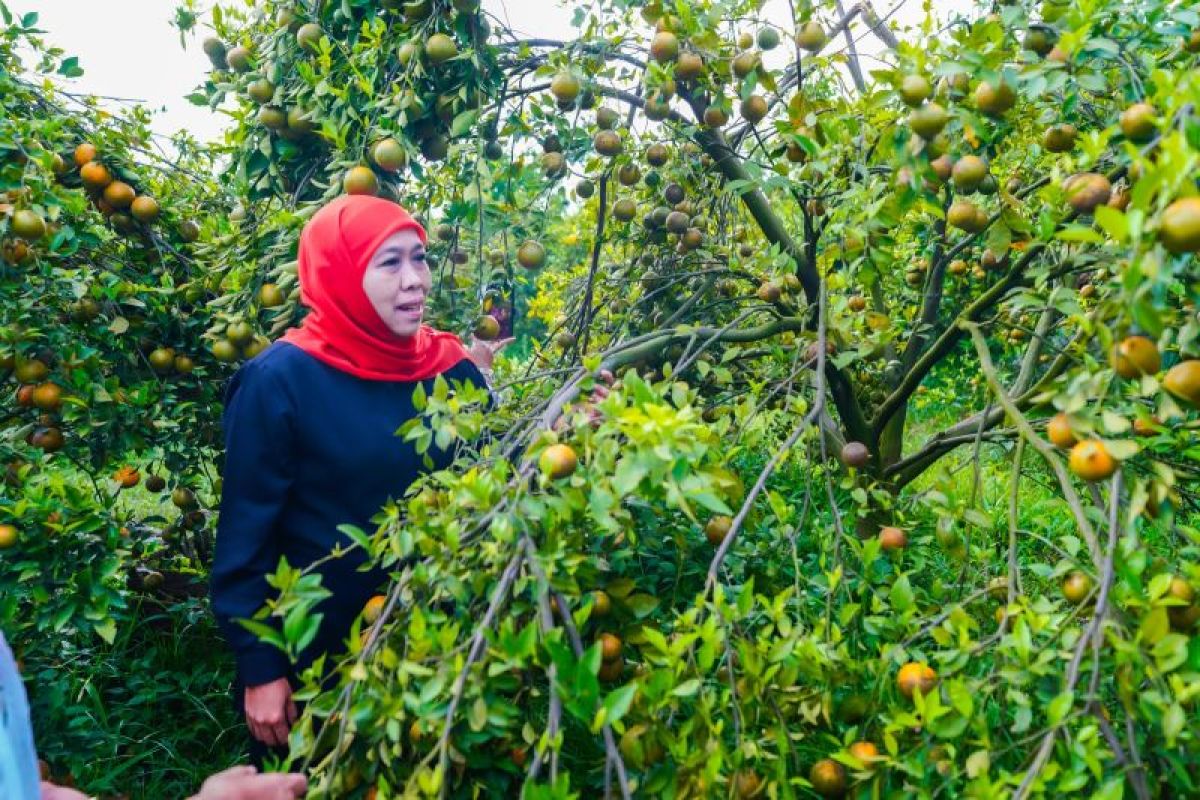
310	435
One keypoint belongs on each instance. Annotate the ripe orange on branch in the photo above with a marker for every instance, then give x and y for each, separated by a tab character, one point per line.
916	675
1183	381
1135	356
1091	460
558	461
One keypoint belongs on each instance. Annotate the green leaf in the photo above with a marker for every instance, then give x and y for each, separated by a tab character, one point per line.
106	629
617	702
1059	707
1079	233
463	123
901	594
641	605
1113	222
1155	625
477	718
1173	722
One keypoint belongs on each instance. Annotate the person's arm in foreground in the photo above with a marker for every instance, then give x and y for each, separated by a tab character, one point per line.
259	450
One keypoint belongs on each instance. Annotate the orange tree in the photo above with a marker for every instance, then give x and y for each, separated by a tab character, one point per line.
109	411
892	491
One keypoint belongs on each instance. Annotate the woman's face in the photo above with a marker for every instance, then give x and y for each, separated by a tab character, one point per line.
397	280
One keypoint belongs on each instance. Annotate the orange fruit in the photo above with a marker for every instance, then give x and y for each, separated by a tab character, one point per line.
811	37
1076	586
48	439
1181	380
828	778
1087	190
965	215
183	498
754	108
389	155
28	225
189	231
865	752
270	295
531	254
127	476
664	47
1091	460
994	99
715	116
8	536
1060	138
565	87
611	670
1179	228
891	538
373	608
914	90
1146	426
95	175
144	209
1135	356
224	350
558	461
440	48
746	783
608	143
968	173
1137	122
47	396
360	180
601	604
688	66
119	194
717	529
610	646
261	91
30	370
309	36
1183	617
84	153
916	675
162	359
487	328
1058	431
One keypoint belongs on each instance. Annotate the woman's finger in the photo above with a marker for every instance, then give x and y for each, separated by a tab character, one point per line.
291	712
281	731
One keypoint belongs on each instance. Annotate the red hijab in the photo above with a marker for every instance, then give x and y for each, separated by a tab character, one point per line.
342	328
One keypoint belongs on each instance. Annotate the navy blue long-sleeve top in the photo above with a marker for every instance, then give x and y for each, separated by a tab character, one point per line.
307	448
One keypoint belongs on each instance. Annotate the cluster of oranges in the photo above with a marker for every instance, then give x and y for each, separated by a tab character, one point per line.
1131	358
117	200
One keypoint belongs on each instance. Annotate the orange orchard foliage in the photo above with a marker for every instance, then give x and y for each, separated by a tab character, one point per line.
786	541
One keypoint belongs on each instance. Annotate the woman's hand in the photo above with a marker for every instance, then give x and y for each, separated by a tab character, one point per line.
245	783
484	353
270	712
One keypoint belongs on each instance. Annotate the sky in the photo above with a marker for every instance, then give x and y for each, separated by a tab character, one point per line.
130	51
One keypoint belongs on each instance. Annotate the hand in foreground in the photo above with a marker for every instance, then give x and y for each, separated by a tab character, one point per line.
484	353
52	792
270	712
246	783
